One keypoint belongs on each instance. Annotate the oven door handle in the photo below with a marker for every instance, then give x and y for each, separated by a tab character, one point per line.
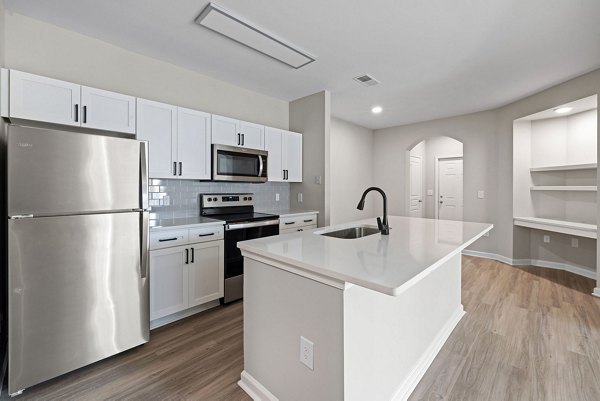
240	226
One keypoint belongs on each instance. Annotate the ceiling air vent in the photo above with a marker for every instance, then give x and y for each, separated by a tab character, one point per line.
366	80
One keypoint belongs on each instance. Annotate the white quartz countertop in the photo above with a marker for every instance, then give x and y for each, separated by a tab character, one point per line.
387	264
182	222
290	212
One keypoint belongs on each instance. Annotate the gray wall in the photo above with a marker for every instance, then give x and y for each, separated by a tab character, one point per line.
488	146
40	48
351	167
2	33
311	116
179	198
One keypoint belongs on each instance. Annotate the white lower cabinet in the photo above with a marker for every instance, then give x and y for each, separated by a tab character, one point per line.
293	223
184	276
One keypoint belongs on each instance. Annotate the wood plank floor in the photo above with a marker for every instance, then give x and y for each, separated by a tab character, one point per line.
529	334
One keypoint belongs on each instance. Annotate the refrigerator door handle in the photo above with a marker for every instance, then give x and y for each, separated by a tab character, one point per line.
144	175
144	245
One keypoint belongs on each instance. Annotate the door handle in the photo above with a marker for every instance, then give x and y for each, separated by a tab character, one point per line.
144	245
420	201
187	256
239	138
441	202
174	168
289	223
180	168
205	235
144	174
167	239
307	221
192	261
76	113
242	139
84	114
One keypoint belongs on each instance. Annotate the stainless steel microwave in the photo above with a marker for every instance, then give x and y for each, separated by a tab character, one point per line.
231	163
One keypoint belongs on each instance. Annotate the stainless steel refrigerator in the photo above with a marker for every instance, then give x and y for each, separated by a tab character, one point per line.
77	251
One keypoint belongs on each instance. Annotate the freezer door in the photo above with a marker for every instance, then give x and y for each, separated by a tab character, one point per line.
77	292
56	172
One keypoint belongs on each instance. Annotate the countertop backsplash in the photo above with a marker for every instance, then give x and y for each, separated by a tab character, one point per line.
179	198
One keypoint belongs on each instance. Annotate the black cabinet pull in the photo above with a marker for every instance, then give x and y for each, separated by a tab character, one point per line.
205	235
180	168
192	261
242	139
84	114
174	168
239	139
289	223
167	239
76	113
187	256
307	221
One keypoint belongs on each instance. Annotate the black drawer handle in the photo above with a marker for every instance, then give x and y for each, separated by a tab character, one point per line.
167	239
192	261
187	256
289	223
205	235
307	221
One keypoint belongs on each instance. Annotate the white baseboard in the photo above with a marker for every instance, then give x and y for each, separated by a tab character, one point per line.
596	292
410	383
580	270
154	324
254	389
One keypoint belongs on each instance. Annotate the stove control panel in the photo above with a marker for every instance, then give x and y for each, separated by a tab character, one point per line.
226	200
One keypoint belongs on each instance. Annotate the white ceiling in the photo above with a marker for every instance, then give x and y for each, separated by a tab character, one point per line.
435	58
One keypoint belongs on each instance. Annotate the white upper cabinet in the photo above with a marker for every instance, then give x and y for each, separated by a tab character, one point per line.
292	156
274	145
33	97
285	155
193	144
178	140
157	124
106	110
232	132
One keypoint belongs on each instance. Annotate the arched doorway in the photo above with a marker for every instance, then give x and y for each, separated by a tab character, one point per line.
434	179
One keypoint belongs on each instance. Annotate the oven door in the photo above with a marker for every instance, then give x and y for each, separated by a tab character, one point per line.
234	262
239	164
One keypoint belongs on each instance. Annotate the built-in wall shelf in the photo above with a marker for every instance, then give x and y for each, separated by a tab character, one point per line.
588	188
558	226
566	167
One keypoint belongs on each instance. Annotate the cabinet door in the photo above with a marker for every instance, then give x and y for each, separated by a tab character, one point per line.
292	156
157	124
44	99
206	278
168	281
225	131
253	135
107	110
193	144
274	145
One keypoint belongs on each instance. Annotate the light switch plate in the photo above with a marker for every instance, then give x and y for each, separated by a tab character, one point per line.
299	197
277	197
481	194
574	242
546	239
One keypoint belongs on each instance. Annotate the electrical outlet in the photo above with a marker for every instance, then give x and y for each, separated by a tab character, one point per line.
299	197
574	242
306	352
547	239
481	194
318	179
430	192
277	197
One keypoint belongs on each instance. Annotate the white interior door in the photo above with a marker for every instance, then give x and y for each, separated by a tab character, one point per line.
450	189
416	187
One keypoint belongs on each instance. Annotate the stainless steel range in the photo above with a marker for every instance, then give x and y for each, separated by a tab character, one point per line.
241	223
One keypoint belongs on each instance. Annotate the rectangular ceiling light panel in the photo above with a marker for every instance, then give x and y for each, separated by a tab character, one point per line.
222	21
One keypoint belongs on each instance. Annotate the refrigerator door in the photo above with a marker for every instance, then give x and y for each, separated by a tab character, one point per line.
78	292
56	172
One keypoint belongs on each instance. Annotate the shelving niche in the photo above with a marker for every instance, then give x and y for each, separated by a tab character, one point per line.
555	169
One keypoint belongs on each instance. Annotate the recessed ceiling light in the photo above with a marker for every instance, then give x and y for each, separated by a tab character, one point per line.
376	110
236	28
562	110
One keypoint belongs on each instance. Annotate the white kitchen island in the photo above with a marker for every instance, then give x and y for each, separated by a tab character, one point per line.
377	309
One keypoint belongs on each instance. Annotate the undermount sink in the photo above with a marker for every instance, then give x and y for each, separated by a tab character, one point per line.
351	232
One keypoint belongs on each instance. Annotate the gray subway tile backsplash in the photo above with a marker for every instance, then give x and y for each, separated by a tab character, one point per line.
179	198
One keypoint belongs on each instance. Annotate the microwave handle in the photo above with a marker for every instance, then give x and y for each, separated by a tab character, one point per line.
260	165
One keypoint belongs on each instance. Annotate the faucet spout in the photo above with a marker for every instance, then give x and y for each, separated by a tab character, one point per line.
383	225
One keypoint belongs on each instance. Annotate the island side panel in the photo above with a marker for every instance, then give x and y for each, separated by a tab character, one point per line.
391	341
279	307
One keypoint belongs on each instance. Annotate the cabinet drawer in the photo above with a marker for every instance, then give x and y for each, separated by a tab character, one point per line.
211	233
296	229
167	239
297	221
